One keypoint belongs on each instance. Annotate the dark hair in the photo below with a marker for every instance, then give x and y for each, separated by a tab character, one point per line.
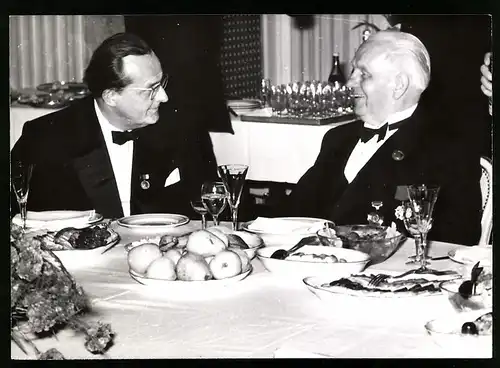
105	69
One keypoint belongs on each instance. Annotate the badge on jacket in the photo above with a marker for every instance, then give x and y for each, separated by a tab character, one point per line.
145	181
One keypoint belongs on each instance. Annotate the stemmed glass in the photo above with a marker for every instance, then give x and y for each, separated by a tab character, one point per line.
376	218
200	209
20	178
233	177
410	223
422	200
213	196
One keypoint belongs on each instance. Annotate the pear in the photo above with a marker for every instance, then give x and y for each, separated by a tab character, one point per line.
192	267
225	264
204	243
162	268
173	254
220	234
245	260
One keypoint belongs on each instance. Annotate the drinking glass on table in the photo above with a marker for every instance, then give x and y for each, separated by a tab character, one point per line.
200	209
213	196
422	199
233	177
20	179
410	223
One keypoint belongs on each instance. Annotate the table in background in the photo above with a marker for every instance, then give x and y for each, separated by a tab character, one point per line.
274	152
254	317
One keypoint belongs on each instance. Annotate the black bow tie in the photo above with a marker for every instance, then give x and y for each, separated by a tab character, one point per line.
122	137
367	133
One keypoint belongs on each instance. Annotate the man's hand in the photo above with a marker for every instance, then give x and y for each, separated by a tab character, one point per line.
486	76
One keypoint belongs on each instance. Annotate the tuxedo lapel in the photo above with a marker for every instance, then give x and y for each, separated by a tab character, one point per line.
93	165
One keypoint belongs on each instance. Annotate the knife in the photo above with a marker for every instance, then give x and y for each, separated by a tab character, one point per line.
439	258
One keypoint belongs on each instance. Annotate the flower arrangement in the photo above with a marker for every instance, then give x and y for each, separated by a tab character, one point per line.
46	298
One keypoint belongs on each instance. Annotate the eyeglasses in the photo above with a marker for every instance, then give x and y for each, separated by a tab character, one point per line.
154	90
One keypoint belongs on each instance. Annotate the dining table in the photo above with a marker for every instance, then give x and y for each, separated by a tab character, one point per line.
262	316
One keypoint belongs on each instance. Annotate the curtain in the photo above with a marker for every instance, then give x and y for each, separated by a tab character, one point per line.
293	54
47	48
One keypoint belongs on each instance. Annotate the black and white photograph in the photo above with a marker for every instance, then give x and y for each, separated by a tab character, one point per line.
251	186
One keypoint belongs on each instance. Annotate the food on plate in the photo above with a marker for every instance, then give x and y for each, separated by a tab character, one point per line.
205	243
225	264
72	238
140	257
237	242
311	257
192	267
245	260
162	268
168	241
483	325
220	234
173	254
412	284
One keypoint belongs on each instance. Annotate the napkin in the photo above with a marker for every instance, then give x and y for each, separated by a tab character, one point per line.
289	352
55	220
282	226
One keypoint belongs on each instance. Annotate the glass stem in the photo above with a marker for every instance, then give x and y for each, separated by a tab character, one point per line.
203	221
216	220
235	218
418	242
423	246
23	209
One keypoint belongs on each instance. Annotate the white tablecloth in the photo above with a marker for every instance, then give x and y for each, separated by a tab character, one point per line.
253	318
274	152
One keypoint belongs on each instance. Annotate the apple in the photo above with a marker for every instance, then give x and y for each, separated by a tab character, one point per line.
204	243
192	267
140	257
225	264
162	268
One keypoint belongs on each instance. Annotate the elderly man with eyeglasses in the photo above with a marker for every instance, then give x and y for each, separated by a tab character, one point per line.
107	152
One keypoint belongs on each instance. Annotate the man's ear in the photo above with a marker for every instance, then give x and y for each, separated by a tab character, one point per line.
109	96
402	82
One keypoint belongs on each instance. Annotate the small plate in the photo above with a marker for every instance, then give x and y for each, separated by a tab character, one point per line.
472	255
179	286
153	221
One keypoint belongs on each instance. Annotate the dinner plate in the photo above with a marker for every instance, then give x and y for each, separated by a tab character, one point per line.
57	220
179	286
153	221
285	225
472	255
243	104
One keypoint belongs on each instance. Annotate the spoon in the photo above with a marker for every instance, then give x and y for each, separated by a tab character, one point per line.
468	287
282	253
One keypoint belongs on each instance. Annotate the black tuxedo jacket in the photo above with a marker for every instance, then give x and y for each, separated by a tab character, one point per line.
429	156
73	169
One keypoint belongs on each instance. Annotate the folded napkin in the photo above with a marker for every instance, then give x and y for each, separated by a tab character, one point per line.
55	220
285	352
282	226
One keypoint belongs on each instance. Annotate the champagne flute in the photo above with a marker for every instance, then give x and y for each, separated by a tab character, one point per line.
410	222
233	177
422	200
200	209
20	179
213	196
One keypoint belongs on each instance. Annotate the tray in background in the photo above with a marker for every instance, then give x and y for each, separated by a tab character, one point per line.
341	118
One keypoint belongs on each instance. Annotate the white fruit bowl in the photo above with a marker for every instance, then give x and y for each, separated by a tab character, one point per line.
446	332
298	270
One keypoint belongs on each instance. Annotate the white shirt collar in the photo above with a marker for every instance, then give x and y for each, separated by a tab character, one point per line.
106	126
396	117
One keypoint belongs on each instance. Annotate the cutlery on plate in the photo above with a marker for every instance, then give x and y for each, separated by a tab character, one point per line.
282	253
440	258
377	279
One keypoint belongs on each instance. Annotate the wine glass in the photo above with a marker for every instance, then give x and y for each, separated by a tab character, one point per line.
200	209
20	179
376	218
410	222
213	196
422	200
233	177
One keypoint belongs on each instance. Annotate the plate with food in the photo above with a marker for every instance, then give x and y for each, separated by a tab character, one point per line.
468	334
153	221
60	219
285	230
472	255
390	285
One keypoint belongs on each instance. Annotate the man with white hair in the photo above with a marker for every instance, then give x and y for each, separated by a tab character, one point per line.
395	144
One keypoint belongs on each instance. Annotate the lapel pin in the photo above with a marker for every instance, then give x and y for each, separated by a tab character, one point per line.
144	181
398	155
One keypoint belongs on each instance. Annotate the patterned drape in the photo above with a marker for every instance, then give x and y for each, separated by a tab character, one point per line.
292	54
46	48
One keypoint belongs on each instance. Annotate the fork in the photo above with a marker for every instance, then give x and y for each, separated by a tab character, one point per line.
377	279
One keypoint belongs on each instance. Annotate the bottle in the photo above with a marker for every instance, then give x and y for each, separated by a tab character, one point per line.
336	76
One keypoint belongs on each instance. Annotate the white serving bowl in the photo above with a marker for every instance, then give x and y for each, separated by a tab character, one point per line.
481	300
446	332
356	262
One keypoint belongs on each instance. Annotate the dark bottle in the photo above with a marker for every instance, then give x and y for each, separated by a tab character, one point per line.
336	76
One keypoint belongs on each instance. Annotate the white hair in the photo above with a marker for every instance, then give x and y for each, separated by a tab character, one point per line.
405	51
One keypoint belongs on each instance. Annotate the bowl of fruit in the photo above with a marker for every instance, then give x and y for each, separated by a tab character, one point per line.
379	242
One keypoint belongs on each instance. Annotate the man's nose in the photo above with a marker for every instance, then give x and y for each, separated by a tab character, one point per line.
162	96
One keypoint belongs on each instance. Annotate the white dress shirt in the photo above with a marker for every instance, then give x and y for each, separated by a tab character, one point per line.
363	151
121	160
